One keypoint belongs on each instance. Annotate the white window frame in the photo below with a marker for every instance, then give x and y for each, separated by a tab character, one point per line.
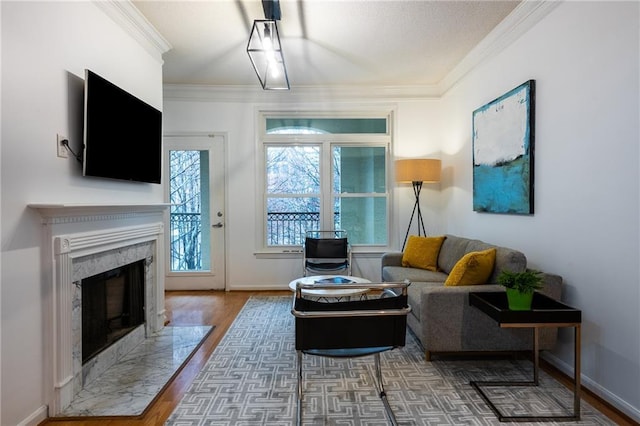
326	192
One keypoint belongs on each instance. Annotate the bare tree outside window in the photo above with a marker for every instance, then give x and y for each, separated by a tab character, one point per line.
186	211
293	188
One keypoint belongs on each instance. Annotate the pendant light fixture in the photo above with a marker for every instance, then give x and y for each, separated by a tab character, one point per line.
265	50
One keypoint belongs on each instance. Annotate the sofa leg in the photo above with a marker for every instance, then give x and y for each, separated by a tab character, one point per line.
427	356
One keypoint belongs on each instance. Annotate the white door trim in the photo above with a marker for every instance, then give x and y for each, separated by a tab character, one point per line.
217	278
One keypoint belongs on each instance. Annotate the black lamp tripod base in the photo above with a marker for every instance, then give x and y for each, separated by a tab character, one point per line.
417	187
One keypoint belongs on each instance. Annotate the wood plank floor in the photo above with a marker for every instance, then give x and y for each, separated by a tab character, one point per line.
220	308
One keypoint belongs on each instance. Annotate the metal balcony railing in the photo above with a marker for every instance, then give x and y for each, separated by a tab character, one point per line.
288	228
283	228
186	237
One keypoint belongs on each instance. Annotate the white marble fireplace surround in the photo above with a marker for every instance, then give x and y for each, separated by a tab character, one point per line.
82	240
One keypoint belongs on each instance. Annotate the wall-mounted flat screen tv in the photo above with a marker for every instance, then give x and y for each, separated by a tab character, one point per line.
122	134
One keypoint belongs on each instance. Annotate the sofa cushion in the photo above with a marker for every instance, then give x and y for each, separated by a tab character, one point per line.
422	252
454	247
452	250
474	268
400	273
508	259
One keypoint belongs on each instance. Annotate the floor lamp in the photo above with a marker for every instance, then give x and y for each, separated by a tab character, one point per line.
417	171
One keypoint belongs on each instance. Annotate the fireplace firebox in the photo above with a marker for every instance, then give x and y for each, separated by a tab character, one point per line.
112	306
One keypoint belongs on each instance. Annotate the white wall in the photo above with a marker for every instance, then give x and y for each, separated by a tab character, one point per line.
584	57
245	270
45	48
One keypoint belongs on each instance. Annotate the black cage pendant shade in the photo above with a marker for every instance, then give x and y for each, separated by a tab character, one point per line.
265	52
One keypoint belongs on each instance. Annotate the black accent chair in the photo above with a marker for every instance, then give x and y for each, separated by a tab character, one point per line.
351	329
326	252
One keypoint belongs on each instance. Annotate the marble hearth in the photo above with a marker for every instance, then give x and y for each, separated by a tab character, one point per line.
82	241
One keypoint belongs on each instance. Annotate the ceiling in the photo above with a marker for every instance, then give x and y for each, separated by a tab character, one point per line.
325	42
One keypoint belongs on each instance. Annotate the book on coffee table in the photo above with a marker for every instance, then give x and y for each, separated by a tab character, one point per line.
334	280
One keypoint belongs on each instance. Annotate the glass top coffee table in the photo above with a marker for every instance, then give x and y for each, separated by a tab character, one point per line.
333	281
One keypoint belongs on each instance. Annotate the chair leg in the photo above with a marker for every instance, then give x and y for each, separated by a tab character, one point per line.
299	413
383	394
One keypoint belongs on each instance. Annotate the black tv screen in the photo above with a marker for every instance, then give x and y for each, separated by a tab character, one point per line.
122	134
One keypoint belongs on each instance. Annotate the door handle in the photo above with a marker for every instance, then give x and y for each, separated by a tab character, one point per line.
217	225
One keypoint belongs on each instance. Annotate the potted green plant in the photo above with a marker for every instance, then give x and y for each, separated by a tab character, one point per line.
520	287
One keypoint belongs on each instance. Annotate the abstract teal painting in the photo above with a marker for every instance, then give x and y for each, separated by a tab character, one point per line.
503	136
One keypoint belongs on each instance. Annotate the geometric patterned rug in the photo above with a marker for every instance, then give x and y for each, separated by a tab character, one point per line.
250	379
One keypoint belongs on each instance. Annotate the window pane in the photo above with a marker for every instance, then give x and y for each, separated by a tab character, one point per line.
364	219
316	160
289	218
293	169
359	170
189	218
327	125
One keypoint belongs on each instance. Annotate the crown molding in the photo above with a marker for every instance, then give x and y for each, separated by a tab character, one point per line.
297	94
130	19
527	14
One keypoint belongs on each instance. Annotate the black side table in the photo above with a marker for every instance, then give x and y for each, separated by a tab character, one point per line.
545	312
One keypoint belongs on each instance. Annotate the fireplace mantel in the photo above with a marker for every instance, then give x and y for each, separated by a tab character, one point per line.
56	212
76	239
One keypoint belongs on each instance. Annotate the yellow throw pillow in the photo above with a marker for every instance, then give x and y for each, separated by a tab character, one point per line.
422	252
473	268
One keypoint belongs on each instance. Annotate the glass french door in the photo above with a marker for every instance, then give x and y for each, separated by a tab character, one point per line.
195	166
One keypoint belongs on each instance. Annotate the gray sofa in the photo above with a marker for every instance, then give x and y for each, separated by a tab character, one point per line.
441	316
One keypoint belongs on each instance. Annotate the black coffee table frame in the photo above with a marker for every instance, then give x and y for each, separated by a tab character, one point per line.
545	312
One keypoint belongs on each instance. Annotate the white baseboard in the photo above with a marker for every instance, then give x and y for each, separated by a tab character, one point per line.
36	417
257	287
594	387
